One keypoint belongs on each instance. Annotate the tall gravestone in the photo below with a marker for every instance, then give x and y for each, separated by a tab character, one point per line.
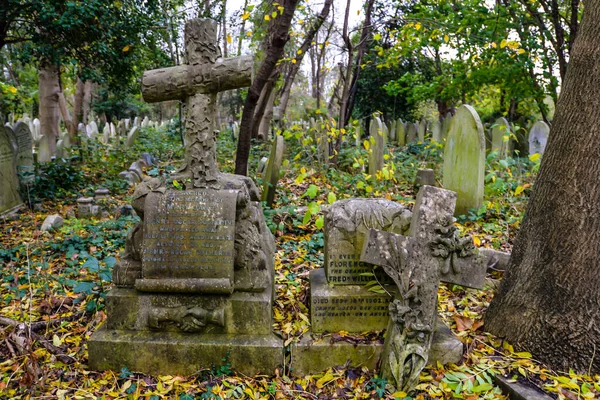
24	159
271	177
464	159
436	131
501	137
538	137
195	282
400	133
422	130
9	182
377	146
411	132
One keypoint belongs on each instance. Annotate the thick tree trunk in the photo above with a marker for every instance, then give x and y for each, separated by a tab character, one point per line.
87	101
49	90
280	35
295	67
549	300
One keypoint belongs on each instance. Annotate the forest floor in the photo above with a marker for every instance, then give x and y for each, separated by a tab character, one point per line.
55	282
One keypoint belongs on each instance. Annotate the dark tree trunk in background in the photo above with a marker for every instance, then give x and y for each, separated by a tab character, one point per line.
549	300
279	35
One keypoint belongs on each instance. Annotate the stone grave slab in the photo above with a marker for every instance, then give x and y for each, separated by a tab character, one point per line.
538	137
501	141
9	182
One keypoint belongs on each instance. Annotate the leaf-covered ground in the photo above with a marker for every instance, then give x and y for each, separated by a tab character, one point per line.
53	283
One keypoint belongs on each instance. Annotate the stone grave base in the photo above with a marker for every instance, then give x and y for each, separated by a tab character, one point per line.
170	353
313	356
10	213
350	308
243	312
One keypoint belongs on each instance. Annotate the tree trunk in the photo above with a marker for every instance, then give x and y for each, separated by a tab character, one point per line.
265	122
280	35
548	300
77	111
265	98
87	101
295	67
49	90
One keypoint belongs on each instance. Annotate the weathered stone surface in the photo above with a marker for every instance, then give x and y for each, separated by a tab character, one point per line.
495	260
501	141
464	159
436	131
377	139
432	253
84	207
101	193
347	222
538	136
314	355
273	170
421	130
424	176
350	308
519	391
411	132
400	133
183	354
24	158
52	222
9	183
132	136
262	166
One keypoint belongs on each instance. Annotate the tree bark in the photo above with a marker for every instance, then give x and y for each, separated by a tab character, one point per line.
77	111
280	35
295	67
548	300
49	90
87	100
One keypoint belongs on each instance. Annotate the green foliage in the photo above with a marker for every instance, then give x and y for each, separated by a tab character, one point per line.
54	180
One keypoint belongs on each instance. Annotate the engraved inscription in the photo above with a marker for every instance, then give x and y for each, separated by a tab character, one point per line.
346	268
351	307
189	234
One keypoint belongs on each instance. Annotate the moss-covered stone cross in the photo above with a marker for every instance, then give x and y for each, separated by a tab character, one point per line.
433	252
197	82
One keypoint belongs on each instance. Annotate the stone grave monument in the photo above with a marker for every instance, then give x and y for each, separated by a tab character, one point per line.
340	295
464	159
432	253
271	176
538	137
10	200
24	159
501	141
195	283
377	141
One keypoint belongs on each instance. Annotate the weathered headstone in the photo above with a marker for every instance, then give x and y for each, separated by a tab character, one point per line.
392	132
400	133
538	136
436	131
501	137
132	136
411	132
376	146
52	222
84	207
424	177
145	122
433	252
273	169
262	166
422	130
9	183
24	160
195	283
464	159
322	140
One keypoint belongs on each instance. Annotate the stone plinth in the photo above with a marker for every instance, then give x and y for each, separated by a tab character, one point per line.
315	355
170	353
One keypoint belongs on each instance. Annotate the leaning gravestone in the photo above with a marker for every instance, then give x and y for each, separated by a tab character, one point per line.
432	253
132	136
501	137
538	136
377	146
271	177
24	159
464	159
9	182
195	283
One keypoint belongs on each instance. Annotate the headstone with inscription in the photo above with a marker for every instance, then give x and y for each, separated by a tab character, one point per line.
195	282
9	183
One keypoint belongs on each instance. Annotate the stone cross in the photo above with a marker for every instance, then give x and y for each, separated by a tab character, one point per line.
197	83
433	252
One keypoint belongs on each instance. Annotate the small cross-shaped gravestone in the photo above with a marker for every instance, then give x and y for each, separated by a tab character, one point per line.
197	83
433	252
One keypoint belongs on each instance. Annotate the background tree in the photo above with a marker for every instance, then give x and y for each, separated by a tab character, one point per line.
548	300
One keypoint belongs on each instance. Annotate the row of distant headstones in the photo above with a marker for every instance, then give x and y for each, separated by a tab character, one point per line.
21	140
464	154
